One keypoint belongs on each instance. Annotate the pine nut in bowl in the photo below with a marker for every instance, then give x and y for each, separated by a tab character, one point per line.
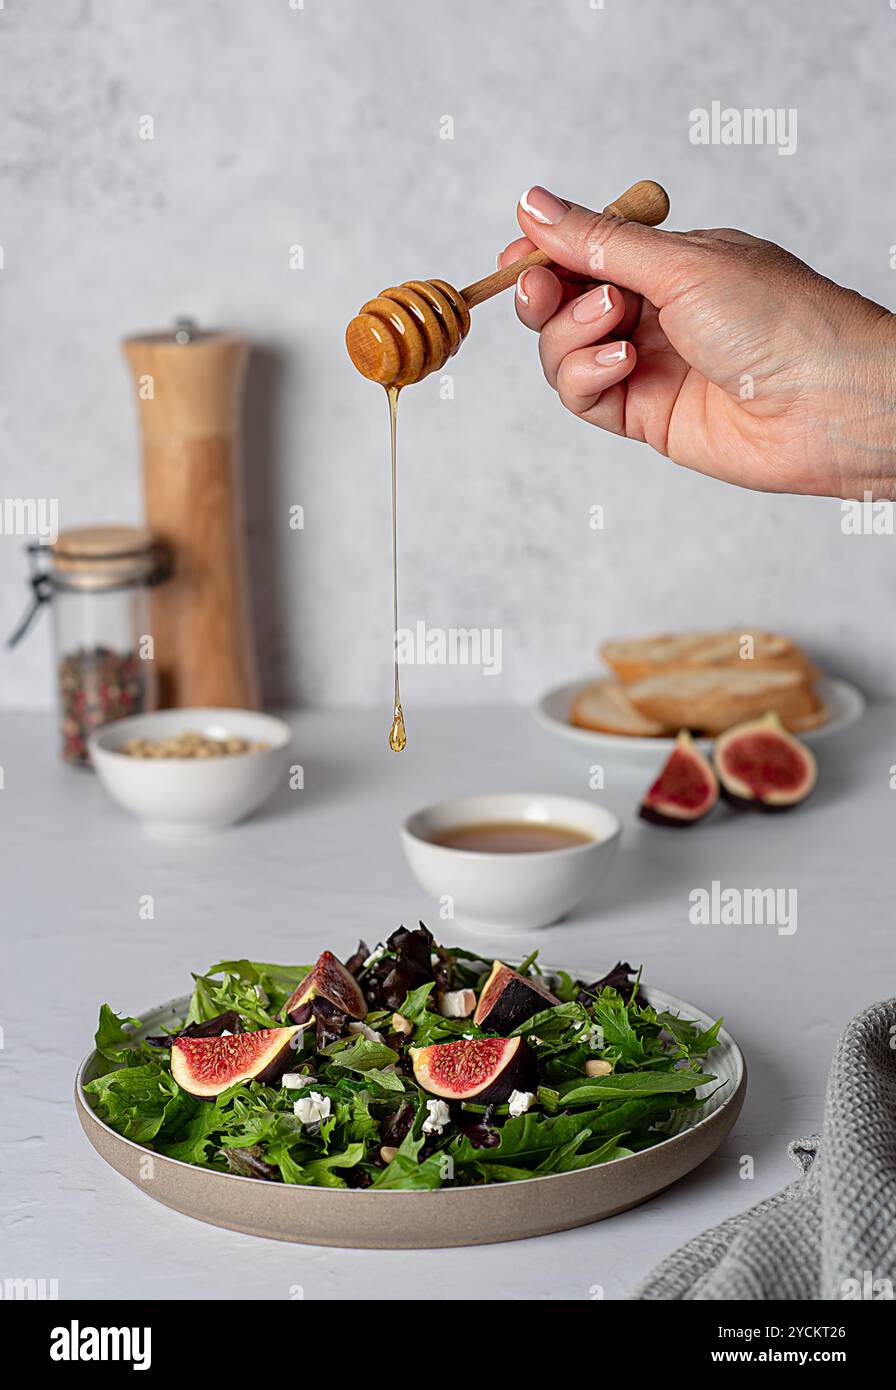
513	860
186	772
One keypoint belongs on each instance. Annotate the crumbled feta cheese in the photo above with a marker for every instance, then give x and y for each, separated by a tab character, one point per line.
312	1109
457	1003
295	1080
376	954
520	1102
592	1035
438	1117
363	1031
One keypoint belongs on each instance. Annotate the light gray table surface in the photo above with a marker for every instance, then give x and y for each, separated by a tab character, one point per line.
323	866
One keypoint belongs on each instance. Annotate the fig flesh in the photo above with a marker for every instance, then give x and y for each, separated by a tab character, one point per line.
327	979
508	999
204	1067
485	1069
761	765
686	789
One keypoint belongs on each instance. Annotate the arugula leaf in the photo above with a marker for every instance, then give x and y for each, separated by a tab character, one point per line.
552	1024
256	989
362	1125
405	1173
212	997
364	1056
290	1170
202	1005
321	1172
612	1017
607	1152
388	1080
697	1041
254	972
569	1158
416	1002
563	986
525	967
564	1153
528	1136
591	1090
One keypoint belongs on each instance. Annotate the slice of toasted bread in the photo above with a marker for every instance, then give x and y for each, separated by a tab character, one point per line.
606	708
639	658
711	700
804	723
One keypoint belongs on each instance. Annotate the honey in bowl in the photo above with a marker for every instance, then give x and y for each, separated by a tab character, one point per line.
510	837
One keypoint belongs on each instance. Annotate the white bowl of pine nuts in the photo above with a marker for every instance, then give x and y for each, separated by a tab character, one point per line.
186	772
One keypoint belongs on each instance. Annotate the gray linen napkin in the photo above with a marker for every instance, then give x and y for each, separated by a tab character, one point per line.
832	1233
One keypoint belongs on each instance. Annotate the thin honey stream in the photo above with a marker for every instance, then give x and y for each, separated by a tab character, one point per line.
398	737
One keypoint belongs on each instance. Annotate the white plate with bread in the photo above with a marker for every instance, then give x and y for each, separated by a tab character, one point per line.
702	681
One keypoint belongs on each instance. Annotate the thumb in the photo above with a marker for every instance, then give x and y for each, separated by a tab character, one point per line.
659	265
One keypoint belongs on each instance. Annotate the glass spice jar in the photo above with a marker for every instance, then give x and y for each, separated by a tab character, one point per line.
97	580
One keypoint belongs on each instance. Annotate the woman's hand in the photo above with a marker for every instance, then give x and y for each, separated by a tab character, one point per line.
721	351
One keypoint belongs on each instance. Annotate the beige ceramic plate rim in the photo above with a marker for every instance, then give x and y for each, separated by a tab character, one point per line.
178	1006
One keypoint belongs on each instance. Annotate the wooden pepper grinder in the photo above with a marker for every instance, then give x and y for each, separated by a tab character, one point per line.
189	388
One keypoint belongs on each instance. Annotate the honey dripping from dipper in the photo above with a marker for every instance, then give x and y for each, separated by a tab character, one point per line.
400	337
398	737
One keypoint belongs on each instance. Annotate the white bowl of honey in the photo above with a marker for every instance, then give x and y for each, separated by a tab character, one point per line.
513	860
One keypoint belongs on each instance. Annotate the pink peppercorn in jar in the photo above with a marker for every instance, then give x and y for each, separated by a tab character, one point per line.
97	581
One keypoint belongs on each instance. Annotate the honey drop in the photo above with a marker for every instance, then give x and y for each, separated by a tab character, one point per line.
398	737
398	734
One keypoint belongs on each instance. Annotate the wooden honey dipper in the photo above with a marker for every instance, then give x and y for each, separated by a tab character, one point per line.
412	329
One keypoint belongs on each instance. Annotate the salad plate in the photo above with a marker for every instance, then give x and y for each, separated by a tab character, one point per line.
497	1191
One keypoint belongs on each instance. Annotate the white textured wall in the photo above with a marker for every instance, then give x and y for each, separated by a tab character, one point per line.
320	126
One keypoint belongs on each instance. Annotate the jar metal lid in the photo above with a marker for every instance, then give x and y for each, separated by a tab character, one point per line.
103	557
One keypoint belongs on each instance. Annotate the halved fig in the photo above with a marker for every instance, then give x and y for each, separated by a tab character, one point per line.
686	789
327	979
761	765
508	999
486	1069
204	1067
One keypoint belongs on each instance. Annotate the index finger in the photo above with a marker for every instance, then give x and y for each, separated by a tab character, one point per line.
654	263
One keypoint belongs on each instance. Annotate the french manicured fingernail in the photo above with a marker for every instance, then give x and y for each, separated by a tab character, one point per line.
521	288
593	305
611	355
543	206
